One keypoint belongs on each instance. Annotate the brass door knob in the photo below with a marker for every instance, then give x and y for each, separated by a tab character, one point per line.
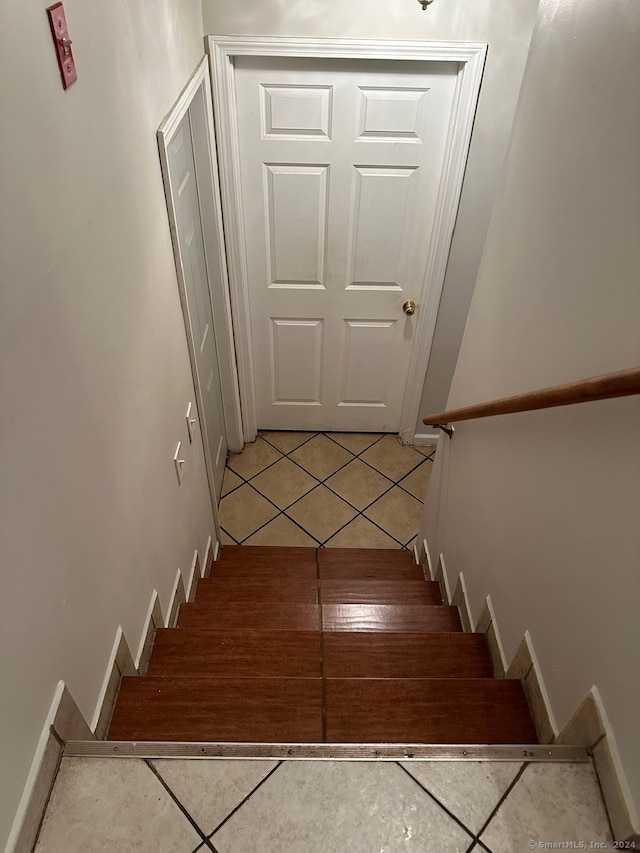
409	307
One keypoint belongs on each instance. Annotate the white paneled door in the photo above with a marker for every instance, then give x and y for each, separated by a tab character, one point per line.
199	312
341	164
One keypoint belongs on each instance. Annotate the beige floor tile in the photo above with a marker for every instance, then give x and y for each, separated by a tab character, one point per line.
225	539
230	482
253	459
356	442
321	513
209	790
244	511
286	441
359	484
102	804
284	483
335	807
391	458
417	481
397	513
427	450
283	532
361	533
321	457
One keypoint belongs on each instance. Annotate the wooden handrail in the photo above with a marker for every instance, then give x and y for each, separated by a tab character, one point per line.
624	383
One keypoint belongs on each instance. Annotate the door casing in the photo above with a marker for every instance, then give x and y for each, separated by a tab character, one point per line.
197	96
223	51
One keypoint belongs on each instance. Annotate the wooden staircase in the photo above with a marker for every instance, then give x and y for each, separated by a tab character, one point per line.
298	645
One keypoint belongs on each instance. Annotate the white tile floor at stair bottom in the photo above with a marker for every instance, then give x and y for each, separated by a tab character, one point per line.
211	790
340	807
469	789
550	803
112	805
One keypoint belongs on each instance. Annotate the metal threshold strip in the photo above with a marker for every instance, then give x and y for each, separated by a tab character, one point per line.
324	751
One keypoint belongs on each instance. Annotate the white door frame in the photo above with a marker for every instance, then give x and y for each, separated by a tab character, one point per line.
211	215
223	51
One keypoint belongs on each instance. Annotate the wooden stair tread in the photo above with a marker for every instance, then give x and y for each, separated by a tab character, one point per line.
370	571
368	556
455	710
385	654
237	569
355	591
226	590
254	710
250	614
390	617
266	553
236	653
380	659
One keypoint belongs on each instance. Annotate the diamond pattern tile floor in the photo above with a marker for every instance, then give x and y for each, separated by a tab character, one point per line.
359	490
239	806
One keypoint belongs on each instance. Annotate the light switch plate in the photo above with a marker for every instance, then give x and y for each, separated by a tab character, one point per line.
179	462
191	423
62	44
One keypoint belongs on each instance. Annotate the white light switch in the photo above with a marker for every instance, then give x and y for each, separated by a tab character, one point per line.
191	424
179	462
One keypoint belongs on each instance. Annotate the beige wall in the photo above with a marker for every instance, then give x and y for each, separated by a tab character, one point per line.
541	509
507	29
94	371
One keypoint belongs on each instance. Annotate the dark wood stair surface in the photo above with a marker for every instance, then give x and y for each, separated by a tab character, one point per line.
298	645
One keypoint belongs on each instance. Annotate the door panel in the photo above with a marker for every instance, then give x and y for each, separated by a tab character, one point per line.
341	164
200	313
296	217
296	362
368	346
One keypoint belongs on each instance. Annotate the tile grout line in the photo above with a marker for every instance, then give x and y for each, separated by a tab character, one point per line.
457	820
323	682
502	799
245	800
319	482
175	799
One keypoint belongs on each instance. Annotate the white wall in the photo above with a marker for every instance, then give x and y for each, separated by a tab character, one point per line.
507	29
541	509
94	371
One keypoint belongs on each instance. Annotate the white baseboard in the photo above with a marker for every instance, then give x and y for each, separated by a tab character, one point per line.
423	439
589	726
461	601
194	577
443	579
211	554
178	597
64	722
427	564
153	621
120	663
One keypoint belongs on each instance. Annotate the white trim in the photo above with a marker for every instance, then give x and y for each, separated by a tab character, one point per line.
540	688
211	211
120	663
178	597
461	600
425	439
443	578
223	51
148	630
427	557
39	783
194	576
210	556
